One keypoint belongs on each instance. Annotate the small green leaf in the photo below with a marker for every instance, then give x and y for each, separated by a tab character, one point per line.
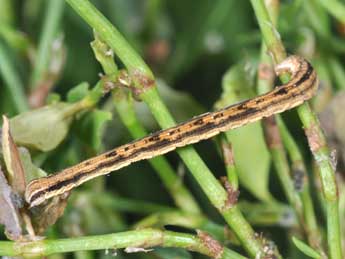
44	128
91	127
252	159
31	170
78	92
304	248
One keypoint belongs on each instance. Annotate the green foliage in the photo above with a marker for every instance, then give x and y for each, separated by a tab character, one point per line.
43	129
307	250
198	54
250	151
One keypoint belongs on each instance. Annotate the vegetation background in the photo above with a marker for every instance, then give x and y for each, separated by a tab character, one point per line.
204	55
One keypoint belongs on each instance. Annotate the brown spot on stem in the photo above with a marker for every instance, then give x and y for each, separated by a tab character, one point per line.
214	247
271	132
314	139
232	194
228	155
141	83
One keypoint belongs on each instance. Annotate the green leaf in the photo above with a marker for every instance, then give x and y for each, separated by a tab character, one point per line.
78	92
304	248
252	158
9	214
91	127
31	170
45	128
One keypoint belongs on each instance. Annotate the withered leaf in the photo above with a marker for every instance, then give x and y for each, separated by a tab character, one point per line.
13	163
9	215
47	214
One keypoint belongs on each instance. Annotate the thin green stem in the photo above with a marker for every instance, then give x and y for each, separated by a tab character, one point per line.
176	218
111	36
143	81
120	204
273	140
283	170
205	178
124	105
314	133
229	162
51	25
298	166
300	199
182	197
131	240
12	80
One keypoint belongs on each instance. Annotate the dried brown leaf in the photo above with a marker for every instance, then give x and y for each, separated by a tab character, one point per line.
47	214
12	160
9	214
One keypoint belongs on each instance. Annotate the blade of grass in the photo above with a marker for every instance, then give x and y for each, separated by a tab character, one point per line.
53	14
12	80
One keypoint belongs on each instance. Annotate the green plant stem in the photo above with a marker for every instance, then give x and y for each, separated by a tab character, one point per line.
121	204
182	219
314	133
312	229
268	214
182	197
12	80
335	8
205	178
143	81
273	139
229	162
51	25
300	199
111	36
281	164
144	238
327	176
123	103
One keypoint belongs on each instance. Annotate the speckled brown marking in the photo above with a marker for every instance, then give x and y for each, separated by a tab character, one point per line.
301	87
